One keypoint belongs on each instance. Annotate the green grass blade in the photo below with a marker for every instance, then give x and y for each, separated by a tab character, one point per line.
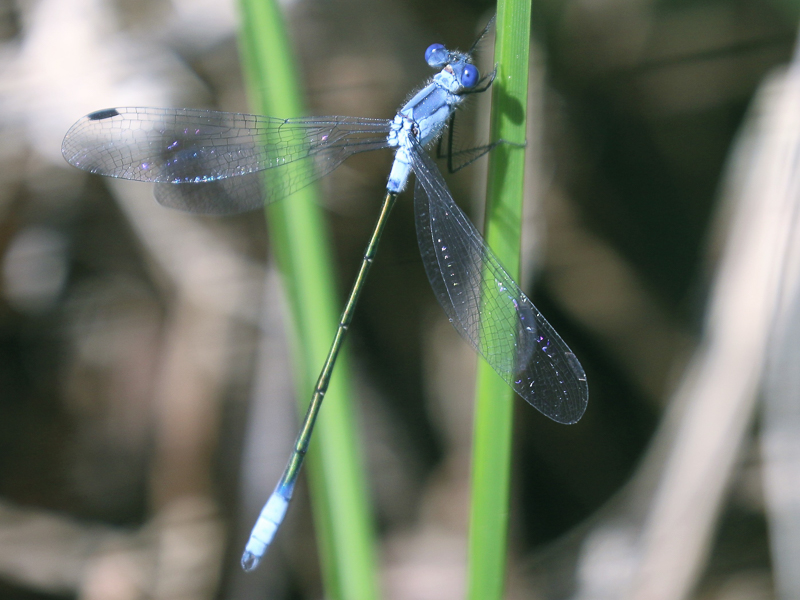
341	510
494	402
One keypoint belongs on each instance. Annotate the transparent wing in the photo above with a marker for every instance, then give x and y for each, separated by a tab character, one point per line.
208	157
487	307
228	196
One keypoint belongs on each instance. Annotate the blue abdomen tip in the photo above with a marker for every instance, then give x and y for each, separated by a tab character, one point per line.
249	561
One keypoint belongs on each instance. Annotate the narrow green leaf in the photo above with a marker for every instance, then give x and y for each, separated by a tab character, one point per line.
342	513
494	403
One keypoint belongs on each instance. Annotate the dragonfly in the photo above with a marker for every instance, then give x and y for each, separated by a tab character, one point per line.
209	162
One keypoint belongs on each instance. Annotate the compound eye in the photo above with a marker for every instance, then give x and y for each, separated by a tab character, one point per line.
469	76
436	55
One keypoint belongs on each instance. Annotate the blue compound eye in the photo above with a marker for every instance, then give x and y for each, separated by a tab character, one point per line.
469	76
436	55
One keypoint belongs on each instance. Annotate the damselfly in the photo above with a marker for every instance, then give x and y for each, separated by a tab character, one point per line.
211	162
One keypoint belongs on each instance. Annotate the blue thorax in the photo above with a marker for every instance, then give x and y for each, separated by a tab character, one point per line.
426	114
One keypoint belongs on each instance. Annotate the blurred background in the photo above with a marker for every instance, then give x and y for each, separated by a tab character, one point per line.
146	400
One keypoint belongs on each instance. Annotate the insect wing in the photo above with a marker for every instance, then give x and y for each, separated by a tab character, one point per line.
487	307
197	150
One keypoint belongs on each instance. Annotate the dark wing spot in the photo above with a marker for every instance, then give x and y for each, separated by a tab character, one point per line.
99	115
